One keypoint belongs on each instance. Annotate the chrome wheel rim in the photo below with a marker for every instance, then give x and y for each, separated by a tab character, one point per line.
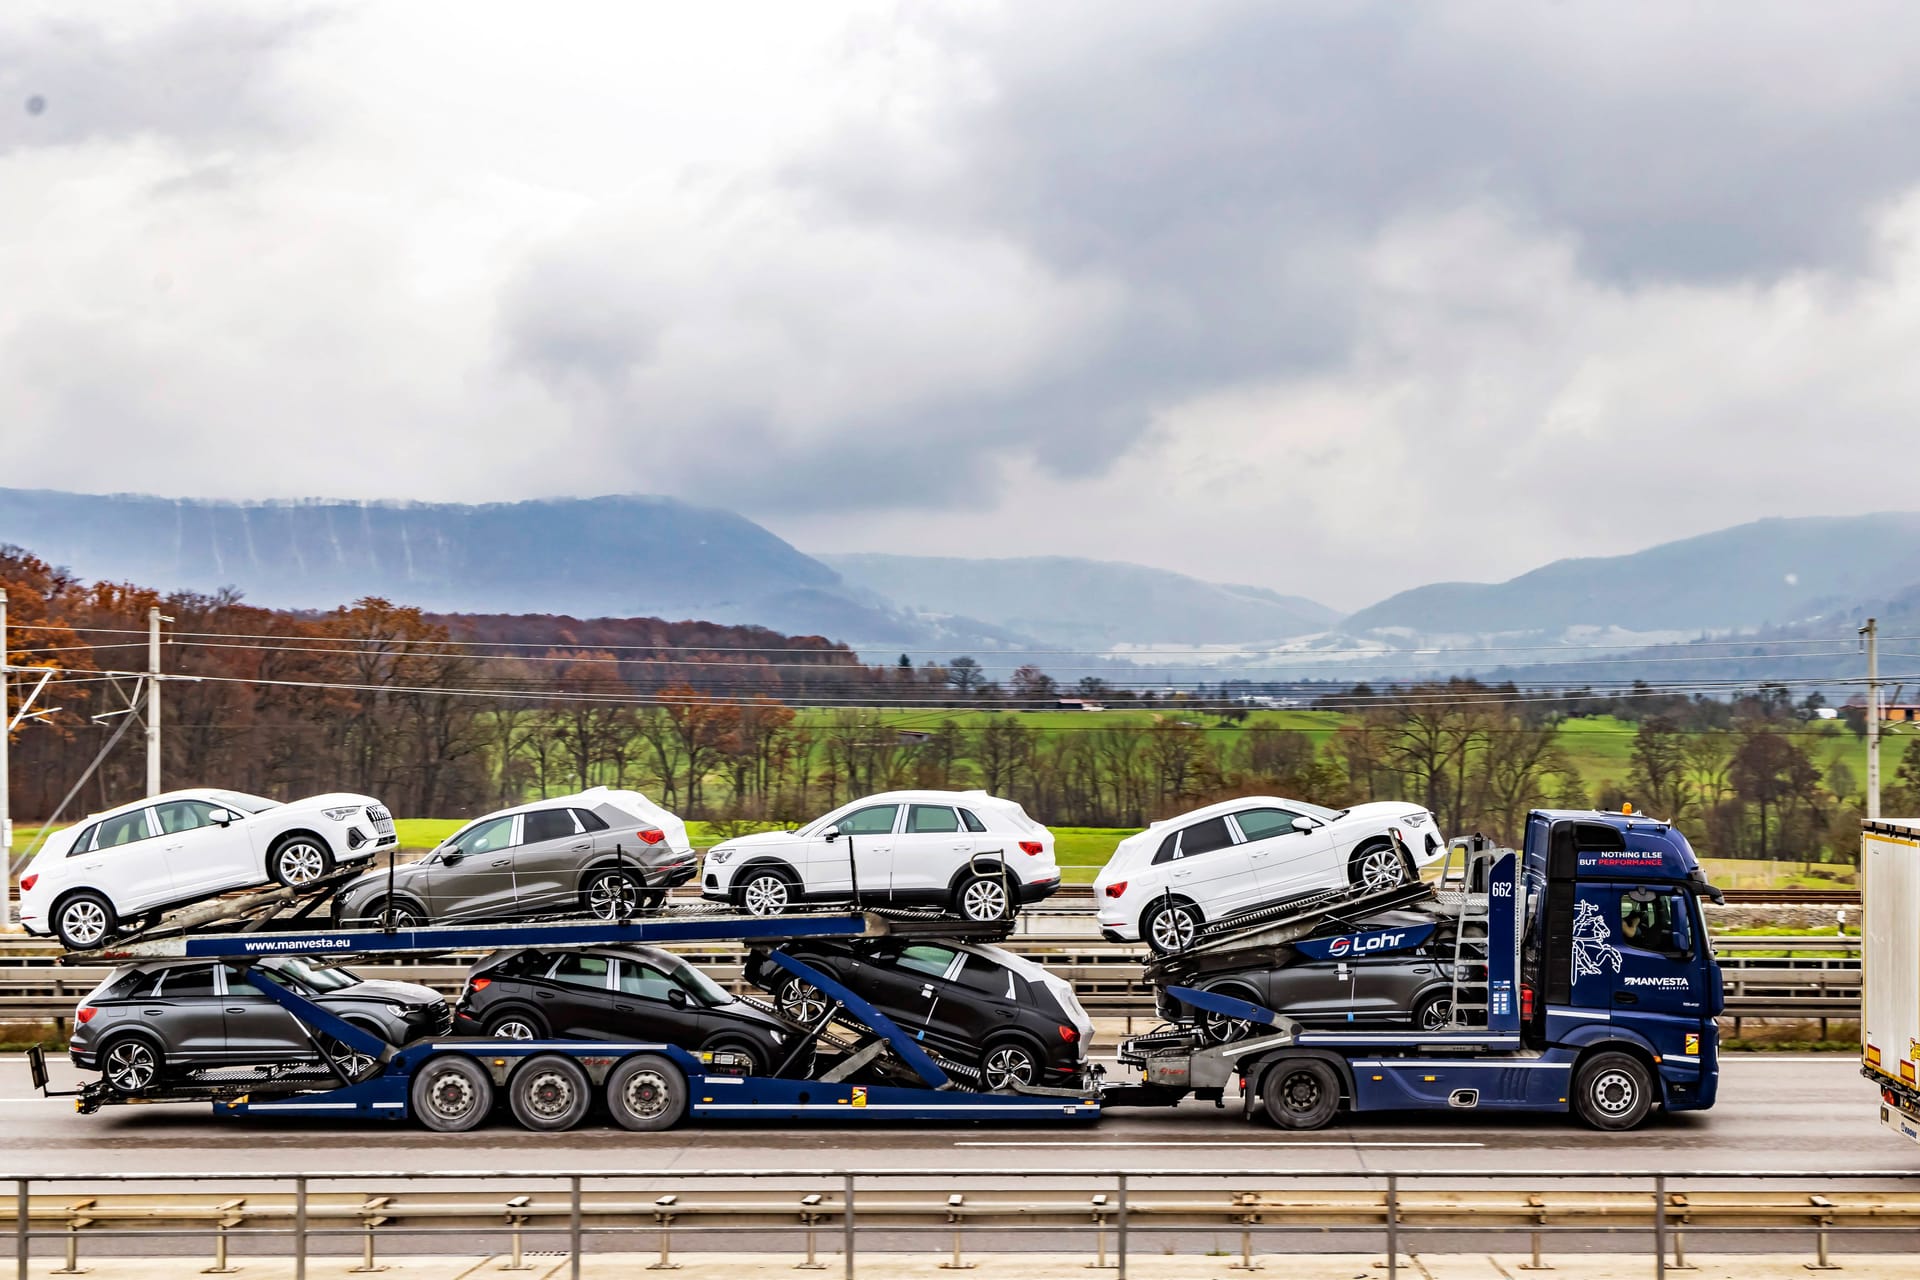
349	1060
550	1094
1380	869
1221	1030
984	900
1172	929
130	1066
1438	1014
451	1095
513	1029
301	862
1615	1092
766	896
799	1001
1008	1065
647	1094
613	897
85	922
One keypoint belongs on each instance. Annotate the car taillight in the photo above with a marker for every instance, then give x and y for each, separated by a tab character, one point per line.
1117	888
84	1013
652	835
27	882
1069	1034
480	984
1031	847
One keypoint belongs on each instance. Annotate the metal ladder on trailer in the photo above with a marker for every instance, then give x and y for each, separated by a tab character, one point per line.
1462	893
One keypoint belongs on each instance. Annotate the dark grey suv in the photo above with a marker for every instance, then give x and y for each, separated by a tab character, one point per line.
1406	988
602	852
151	1023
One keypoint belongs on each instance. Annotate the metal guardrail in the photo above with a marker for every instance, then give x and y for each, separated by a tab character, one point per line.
1109	1215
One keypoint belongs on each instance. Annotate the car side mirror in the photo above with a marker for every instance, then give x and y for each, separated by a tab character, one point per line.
1304	824
452	854
223	817
677	998
832	834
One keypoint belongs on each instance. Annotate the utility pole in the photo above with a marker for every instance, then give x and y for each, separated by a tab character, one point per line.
6	797
154	619
1872	632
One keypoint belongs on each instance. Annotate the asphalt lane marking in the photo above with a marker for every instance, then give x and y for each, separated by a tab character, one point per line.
1272	1142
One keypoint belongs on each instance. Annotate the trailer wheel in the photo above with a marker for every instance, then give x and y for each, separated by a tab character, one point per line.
84	921
299	860
549	1093
451	1094
1376	866
646	1092
1613	1091
1300	1093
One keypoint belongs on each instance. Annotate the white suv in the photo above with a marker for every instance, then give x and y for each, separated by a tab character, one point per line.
172	849
1165	882
973	853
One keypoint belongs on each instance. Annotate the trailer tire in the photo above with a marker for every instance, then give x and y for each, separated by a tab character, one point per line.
451	1094
84	920
1613	1091
1170	925
549	1094
298	860
1377	865
646	1093
1300	1093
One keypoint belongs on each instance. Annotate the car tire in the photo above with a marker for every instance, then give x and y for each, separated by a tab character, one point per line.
800	1001
404	916
130	1064
1434	1013
753	1055
516	1025
1377	866
646	1093
1613	1092
84	921
766	893
451	1094
299	860
984	899
349	1059
1007	1062
1300	1093
1170	925
1219	1029
613	895
549	1094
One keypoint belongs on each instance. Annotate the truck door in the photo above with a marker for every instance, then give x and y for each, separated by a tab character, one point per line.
1636	954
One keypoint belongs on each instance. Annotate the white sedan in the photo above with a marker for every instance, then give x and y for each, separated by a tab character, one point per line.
142	858
1166	882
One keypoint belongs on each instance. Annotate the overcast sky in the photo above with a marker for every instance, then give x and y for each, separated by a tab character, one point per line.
1335	299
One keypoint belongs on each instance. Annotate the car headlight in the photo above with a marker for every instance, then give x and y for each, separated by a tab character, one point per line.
715	856
1414	821
399	1010
341	815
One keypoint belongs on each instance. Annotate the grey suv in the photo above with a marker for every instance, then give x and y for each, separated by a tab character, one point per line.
605	853
146	1024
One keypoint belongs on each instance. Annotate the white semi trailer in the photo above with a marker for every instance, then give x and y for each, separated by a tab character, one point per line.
1890	977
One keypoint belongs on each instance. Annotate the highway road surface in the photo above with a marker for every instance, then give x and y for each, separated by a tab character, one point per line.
1776	1112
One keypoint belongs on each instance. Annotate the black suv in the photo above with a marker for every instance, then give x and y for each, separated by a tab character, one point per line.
977	1005
619	993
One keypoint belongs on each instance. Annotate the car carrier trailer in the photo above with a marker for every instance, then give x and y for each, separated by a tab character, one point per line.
1583	980
451	1084
1890	968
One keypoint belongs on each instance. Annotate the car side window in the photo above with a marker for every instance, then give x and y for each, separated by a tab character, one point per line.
1169	849
589	820
582	971
1262	824
547	824
925	957
488	837
874	820
972	820
126	829
645	981
1655	922
1205	837
83	844
987	978
931	819
184	815
192	980
239	988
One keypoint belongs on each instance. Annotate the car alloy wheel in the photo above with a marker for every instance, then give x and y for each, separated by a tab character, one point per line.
350	1061
1221	1030
1008	1064
1436	1014
613	896
300	862
397	917
800	1001
83	922
1380	868
514	1029
1172	928
984	899
766	895
131	1066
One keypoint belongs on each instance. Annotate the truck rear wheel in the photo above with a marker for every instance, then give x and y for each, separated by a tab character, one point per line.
1300	1093
451	1094
646	1092
549	1093
1613	1091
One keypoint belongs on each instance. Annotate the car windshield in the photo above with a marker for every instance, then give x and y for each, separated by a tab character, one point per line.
243	802
314	977
1318	813
704	989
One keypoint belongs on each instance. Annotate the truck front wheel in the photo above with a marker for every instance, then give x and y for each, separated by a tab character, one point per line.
1613	1091
1300	1093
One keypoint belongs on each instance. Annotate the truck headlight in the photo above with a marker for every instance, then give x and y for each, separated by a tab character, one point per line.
341	815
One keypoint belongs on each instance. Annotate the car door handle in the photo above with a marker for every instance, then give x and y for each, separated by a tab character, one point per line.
544	995
504	862
623	1008
152	1013
1625	997
236	1010
582	848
